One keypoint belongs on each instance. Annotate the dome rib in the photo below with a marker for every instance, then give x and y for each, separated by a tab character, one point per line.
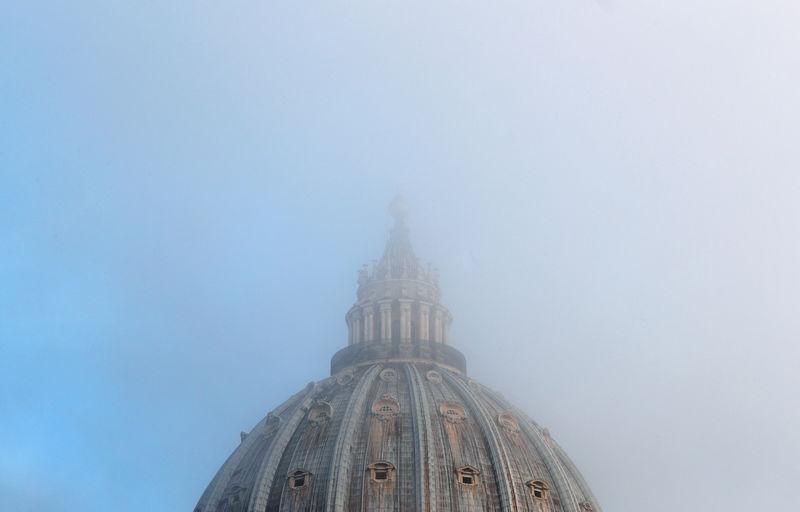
500	460
266	473
422	433
338	480
560	481
577	476
221	482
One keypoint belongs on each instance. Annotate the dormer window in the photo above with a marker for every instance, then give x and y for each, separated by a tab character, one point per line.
538	489
299	478
586	507
381	471
467	475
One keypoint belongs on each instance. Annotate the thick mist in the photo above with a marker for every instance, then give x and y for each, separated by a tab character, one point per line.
609	189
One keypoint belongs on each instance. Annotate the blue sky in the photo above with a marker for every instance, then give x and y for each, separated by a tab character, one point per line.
609	189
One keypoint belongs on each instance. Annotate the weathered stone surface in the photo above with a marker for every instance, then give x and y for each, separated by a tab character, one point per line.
424	446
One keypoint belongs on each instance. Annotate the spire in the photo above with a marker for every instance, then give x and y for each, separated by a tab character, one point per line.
398	259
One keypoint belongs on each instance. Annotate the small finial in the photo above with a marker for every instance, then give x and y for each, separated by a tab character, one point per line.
399	209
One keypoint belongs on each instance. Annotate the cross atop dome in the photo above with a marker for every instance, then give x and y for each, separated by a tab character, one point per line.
399	260
399	209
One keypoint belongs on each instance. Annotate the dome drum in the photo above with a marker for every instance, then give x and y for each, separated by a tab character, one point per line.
422	350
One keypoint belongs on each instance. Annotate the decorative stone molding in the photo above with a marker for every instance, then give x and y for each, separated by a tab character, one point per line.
320	414
467	475
507	421
386	408
345	378
381	471
388	375
452	412
538	489
299	479
434	377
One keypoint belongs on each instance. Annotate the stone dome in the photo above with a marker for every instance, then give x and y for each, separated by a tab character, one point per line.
398	426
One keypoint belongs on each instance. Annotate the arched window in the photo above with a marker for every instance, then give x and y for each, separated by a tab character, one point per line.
538	489
381	471
467	475
299	478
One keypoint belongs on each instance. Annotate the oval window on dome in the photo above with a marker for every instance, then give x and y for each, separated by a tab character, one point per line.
386	407
235	495
320	413
508	422
434	376
452	412
345	378
388	375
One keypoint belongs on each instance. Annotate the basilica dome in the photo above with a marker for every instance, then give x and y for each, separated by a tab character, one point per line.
398	426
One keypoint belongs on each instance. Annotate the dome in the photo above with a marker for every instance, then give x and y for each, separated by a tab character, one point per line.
398	426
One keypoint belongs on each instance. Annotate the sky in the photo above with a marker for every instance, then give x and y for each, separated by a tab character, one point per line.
608	187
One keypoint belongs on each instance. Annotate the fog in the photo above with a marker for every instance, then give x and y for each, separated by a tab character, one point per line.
609	189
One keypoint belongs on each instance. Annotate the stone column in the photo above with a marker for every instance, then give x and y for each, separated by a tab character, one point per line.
437	325
357	327
405	319
424	320
386	320
372	334
368	316
349	330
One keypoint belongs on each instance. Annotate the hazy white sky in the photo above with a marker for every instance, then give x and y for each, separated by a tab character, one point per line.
610	189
